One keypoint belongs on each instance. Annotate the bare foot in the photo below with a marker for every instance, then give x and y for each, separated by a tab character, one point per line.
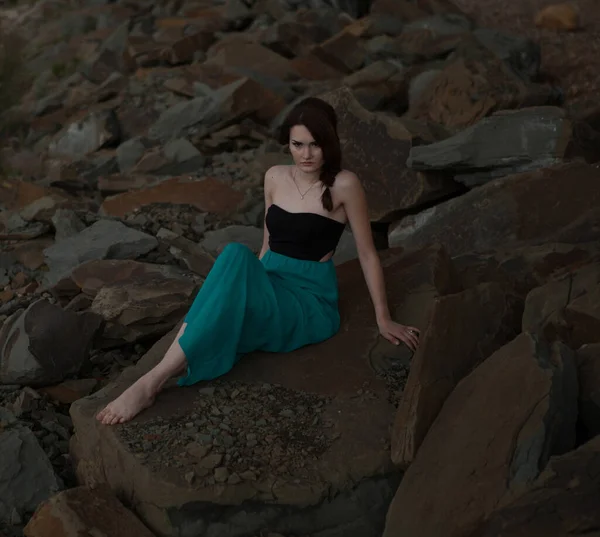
129	404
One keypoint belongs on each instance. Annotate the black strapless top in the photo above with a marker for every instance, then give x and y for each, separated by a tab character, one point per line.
307	236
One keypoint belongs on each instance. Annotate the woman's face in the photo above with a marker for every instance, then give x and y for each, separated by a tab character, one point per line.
308	156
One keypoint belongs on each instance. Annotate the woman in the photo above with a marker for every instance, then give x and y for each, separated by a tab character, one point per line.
287	298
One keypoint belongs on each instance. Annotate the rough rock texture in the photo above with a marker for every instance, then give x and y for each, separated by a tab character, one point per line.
451	347
516	410
26	475
507	142
560	503
82	509
249	447
207	195
376	148
501	213
566	308
106	239
44	344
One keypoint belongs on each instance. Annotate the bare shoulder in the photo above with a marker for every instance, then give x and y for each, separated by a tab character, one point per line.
347	183
273	173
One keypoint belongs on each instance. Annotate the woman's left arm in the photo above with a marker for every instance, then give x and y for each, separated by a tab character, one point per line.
352	195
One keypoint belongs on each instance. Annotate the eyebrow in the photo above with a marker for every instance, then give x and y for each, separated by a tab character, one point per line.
299	142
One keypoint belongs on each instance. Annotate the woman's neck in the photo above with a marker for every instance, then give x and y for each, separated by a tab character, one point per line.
311	177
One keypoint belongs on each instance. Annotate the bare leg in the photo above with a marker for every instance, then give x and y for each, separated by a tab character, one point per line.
141	394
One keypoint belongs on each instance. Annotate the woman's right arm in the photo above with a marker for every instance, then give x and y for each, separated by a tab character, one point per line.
268	189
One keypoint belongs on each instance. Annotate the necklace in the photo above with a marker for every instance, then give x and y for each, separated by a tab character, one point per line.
298	188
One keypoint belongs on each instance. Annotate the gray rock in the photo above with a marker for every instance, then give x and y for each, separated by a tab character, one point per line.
26	474
184	157
215	241
521	54
173	121
419	84
44	344
129	153
106	239
507	142
67	224
443	25
80	138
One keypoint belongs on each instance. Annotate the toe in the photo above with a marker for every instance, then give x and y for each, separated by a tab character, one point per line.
114	419
101	414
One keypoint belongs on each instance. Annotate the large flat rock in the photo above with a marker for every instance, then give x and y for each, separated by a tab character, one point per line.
533	207
563	501
493	437
451	347
296	443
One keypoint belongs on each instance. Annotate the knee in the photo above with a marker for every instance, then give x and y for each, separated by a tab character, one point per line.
236	249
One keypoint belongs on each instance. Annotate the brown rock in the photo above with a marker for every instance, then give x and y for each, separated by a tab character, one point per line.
358	454
526	267
241	54
208	195
45	344
116	184
588	366
566	309
561	503
70	391
135	299
81	509
470	88
451	347
559	17
311	67
493	435
409	10
561	195
6	296
344	52
31	253
16	195
376	148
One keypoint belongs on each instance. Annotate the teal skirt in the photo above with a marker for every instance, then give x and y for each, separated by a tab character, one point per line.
275	304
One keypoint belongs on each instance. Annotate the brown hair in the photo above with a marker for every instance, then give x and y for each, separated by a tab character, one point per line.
320	119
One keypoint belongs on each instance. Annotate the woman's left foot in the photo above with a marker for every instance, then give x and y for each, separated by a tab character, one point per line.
129	404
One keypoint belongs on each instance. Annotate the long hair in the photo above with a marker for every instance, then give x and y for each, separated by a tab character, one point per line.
320	119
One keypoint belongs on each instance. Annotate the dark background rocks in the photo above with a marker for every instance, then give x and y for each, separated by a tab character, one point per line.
134	139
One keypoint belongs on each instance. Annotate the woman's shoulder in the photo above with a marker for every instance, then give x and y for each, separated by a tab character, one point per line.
346	180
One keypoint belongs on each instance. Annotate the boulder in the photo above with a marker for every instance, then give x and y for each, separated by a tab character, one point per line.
500	213
83	509
106	239
26	474
234	101
285	434
208	195
44	344
176	157
563	16
560	503
475	84
516	409
376	148
489	316
526	267
508	142
215	241
567	308
86	135
137	300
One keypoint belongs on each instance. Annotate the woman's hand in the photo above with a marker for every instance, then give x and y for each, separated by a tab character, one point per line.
396	332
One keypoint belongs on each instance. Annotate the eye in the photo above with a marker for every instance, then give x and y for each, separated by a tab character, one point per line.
314	144
296	144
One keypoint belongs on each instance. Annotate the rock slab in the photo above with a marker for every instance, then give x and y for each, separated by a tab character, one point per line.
516	409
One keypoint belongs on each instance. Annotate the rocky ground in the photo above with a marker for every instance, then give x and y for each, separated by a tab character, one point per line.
135	137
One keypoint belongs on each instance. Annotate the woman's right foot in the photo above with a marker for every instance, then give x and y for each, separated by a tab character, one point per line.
129	404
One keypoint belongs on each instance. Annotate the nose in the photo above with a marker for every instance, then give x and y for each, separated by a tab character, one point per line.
306	152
